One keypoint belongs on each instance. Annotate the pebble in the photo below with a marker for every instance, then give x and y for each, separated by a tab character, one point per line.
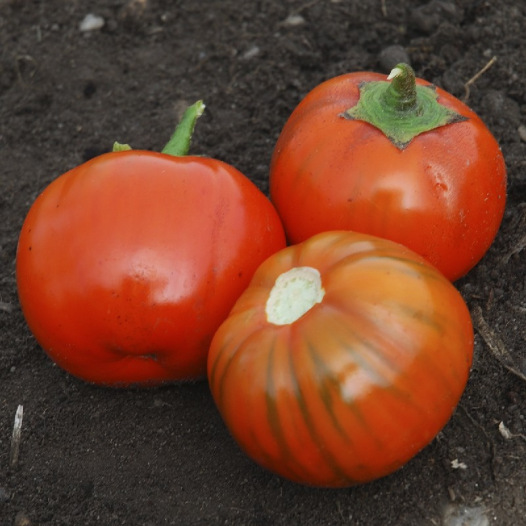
294	20
522	132
91	22
22	519
501	107
6	307
390	56
251	53
465	516
428	17
133	9
452	82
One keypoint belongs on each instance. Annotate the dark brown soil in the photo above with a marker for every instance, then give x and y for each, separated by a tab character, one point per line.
156	457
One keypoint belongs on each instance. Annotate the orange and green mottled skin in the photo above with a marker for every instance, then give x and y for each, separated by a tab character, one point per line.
360	383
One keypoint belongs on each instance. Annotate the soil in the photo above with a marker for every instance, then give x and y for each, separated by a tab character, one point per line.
162	456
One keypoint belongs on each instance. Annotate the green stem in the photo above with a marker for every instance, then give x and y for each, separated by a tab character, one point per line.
118	147
401	93
179	143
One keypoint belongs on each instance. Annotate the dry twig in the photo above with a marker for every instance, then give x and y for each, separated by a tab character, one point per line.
507	434
517	249
17	434
517	224
495	344
475	77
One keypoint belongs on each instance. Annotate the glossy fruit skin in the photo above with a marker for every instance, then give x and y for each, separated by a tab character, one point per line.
443	196
359	384
127	264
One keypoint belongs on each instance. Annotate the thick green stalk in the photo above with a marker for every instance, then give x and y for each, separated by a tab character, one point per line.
179	143
401	93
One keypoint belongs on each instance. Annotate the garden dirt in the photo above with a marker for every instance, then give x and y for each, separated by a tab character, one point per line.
96	456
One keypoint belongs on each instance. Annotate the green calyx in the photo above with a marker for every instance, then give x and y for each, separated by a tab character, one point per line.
179	143
401	109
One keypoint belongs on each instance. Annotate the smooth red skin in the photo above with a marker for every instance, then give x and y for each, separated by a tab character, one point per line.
127	264
442	196
365	379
